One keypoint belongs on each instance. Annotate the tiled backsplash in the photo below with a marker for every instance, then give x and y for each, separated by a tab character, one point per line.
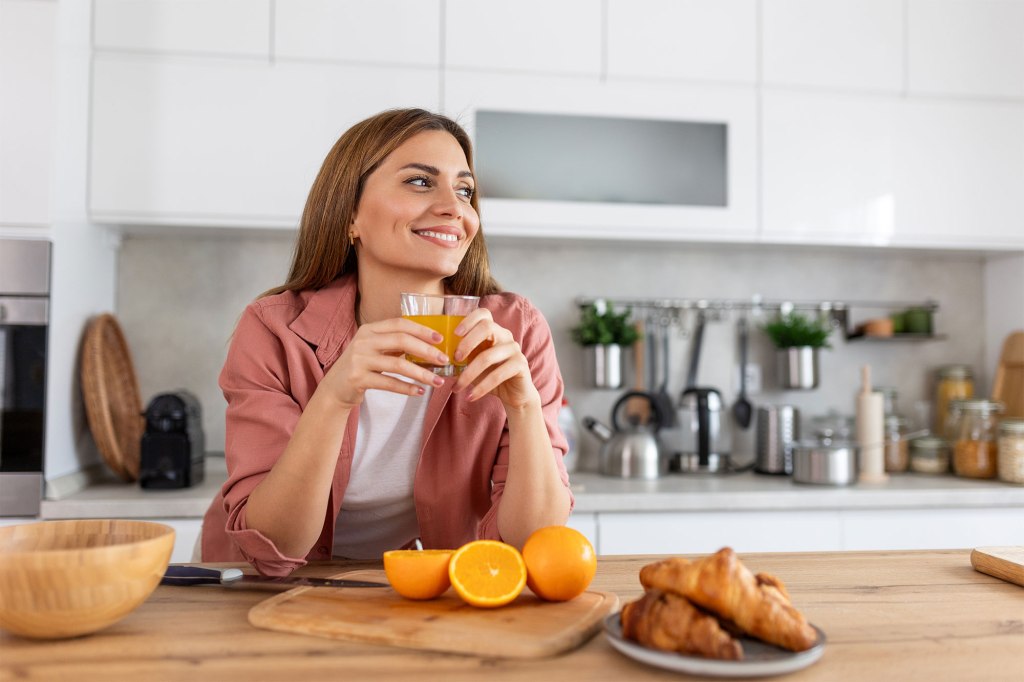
179	298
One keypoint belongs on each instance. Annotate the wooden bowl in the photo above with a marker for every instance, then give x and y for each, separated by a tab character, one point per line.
68	578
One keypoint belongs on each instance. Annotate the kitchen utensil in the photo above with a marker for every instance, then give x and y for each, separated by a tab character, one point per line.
701	440
1008	387
825	463
526	628
661	396
698	339
231	577
110	392
69	578
741	409
871	430
1005	563
778	431
632	452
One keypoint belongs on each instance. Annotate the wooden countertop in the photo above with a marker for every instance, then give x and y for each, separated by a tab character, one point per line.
888	615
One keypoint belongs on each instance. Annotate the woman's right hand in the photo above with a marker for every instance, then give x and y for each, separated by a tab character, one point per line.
380	347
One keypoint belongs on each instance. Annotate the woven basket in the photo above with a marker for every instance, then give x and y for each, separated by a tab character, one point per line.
111	394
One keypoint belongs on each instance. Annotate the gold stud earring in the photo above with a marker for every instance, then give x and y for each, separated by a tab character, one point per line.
352	238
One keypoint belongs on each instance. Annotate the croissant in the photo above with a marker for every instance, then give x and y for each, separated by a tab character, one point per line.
668	622
721	584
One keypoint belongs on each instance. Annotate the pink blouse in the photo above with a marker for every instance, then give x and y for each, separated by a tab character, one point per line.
282	348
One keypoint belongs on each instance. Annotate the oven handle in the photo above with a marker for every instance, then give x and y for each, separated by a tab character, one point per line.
24	310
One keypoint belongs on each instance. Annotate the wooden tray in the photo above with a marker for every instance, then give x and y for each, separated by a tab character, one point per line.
111	394
526	628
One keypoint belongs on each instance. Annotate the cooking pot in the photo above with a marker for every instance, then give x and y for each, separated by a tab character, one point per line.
633	451
825	463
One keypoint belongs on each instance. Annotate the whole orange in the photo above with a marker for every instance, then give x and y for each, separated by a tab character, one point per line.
560	563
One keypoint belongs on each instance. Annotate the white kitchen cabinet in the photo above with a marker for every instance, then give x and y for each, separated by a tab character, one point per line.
186	533
466	93
684	39
835	44
930	528
180	141
959	174
561	37
851	169
827	172
221	27
349	30
27	108
586	524
966	47
705	532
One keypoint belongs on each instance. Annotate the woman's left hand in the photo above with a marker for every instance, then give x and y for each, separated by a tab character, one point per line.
496	362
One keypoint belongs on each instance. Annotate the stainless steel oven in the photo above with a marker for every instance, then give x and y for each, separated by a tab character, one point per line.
24	318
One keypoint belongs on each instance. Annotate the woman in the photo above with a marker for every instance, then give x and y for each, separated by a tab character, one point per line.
337	445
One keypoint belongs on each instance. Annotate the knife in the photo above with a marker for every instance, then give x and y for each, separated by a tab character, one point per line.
229	577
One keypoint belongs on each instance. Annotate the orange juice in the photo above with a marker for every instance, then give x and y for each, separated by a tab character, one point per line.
445	326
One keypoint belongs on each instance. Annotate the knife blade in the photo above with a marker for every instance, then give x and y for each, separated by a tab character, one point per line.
233	577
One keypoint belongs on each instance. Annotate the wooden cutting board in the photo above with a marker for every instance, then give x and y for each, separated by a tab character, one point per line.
526	628
1005	563
1008	386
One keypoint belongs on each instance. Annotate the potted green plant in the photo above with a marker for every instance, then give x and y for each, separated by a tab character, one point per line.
798	339
604	334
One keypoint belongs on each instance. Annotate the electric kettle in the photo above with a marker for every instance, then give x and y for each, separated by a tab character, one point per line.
634	451
700	438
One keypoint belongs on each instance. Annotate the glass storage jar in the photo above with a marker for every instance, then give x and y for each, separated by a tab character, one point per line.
955	382
897	452
974	451
929	455
1011	450
889	396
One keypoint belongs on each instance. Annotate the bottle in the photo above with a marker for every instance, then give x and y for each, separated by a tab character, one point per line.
870	430
571	431
955	382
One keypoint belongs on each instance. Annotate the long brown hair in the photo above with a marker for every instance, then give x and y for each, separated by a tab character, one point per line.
322	249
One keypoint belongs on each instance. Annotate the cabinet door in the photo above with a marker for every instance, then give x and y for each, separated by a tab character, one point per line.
529	35
827	168
186	535
930	529
229	142
235	27
27	106
586	524
846	44
705	532
343	30
465	94
959	174
687	39
966	47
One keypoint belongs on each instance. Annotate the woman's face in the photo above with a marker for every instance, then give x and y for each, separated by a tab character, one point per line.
415	213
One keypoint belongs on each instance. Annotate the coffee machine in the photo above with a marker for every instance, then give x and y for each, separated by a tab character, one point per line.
173	445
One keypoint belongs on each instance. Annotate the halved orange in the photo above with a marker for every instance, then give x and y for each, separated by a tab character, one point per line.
487	573
418	574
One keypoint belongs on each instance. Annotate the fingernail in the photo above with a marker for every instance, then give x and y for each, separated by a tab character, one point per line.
420	390
460	331
470	397
436	337
442	358
438	381
459	355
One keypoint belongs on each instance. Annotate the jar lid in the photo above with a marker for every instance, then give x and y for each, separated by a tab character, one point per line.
955	372
894	421
981	406
929	444
1012	426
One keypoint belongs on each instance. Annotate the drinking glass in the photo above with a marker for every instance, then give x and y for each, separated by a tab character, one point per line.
442	314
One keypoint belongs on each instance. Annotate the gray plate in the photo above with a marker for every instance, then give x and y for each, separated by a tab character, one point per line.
759	659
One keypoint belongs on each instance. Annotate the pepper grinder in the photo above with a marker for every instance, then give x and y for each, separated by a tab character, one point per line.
870	435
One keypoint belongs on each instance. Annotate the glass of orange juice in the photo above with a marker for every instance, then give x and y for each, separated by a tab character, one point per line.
442	314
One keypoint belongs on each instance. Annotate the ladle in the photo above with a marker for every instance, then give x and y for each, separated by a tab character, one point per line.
742	409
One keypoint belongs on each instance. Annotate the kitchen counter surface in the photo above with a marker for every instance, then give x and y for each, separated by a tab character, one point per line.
112	498
886	615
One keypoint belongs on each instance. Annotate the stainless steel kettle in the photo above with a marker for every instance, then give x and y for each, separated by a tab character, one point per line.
634	451
701	439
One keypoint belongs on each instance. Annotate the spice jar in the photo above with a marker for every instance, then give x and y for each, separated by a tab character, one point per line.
1011	450
929	455
897	453
955	382
975	449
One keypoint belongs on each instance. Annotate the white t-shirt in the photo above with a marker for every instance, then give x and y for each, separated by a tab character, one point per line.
378	512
